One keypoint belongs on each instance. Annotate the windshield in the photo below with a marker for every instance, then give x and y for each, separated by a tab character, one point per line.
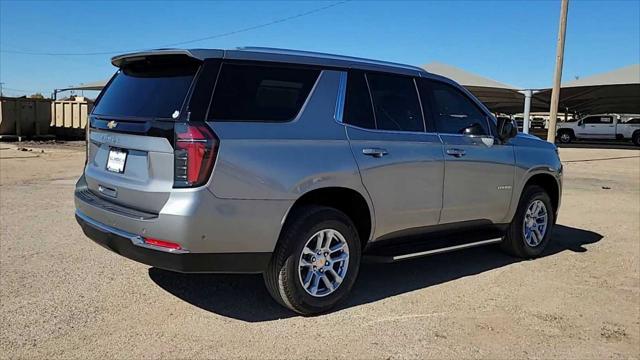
154	87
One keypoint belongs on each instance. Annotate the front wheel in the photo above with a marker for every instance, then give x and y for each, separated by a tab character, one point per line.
530	230
565	137
316	261
635	138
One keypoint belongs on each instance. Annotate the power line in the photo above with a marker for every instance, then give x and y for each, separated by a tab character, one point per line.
215	36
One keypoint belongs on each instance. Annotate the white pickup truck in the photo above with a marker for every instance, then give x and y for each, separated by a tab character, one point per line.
601	127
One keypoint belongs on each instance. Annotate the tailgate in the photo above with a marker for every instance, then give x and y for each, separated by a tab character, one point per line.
131	155
146	179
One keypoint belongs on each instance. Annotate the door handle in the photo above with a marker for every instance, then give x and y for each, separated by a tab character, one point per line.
375	152
456	152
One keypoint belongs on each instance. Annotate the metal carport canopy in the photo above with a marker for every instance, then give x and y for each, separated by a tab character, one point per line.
497	96
616	91
95	85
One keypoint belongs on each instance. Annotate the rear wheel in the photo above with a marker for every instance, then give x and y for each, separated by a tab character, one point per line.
530	230
316	261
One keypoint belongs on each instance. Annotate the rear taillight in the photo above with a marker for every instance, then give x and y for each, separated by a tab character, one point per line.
163	244
195	151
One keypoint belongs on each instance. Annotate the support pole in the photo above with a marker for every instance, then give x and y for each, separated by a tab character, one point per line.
557	76
527	110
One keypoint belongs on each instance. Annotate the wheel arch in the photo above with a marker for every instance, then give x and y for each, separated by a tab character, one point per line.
549	183
351	202
567	130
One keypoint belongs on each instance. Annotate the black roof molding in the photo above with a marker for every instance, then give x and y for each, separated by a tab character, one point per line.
280	55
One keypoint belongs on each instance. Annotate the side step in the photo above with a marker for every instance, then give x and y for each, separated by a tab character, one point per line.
426	247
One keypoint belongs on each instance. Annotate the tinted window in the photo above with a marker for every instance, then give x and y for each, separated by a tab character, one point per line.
395	102
454	112
357	104
261	93
203	88
598	120
152	88
634	121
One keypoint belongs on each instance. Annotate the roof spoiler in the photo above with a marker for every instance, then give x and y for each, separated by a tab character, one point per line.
198	54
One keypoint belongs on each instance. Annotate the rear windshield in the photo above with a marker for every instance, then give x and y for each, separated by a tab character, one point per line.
151	88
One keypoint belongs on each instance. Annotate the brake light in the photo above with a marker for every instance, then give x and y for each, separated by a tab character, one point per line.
195	151
162	243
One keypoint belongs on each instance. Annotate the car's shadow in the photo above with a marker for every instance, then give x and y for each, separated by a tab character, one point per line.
611	144
244	297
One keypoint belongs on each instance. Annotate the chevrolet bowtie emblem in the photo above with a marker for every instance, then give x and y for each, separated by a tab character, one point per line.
112	124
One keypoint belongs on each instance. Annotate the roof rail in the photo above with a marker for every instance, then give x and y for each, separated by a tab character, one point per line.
327	56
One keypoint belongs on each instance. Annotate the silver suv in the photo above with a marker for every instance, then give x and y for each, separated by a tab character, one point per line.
299	165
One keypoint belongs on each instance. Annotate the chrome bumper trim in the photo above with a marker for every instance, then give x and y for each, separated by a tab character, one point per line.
135	239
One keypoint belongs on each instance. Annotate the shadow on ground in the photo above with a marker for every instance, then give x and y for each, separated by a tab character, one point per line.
244	297
620	145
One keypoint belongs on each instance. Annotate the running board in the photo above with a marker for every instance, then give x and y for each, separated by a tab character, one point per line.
406	256
445	249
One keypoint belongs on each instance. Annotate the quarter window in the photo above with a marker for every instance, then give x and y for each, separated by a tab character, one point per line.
357	104
260	93
395	102
598	120
454	112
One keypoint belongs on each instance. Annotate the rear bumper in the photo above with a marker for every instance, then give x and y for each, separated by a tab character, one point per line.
194	218
131	246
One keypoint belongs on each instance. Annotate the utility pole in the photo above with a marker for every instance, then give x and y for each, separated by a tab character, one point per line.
557	76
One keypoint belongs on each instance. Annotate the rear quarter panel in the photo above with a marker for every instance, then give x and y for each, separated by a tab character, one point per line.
282	161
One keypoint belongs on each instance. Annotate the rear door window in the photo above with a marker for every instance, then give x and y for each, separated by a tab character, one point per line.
357	104
155	87
453	111
598	120
395	102
261	92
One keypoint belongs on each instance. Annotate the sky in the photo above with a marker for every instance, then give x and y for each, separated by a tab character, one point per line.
513	42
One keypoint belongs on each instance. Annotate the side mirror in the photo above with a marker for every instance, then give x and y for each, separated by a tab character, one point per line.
473	129
506	129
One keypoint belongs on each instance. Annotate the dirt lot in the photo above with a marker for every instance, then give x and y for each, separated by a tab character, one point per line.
64	297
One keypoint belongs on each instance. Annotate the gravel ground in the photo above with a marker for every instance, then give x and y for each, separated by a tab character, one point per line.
64	297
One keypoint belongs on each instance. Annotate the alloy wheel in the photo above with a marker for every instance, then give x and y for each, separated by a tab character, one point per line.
534	226
323	263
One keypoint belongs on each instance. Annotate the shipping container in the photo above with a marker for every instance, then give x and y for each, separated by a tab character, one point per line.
69	117
22	117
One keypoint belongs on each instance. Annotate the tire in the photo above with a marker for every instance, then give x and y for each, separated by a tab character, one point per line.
565	137
515	241
284	275
635	138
